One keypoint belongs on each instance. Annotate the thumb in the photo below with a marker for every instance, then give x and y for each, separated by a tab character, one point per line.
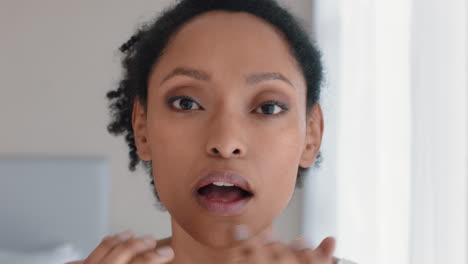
327	247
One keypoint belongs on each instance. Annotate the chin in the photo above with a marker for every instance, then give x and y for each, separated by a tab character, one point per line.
218	232
212	236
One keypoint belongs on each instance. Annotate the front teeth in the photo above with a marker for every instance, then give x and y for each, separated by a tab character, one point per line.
223	184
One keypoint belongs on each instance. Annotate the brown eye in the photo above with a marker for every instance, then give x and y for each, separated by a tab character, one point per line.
183	103
272	108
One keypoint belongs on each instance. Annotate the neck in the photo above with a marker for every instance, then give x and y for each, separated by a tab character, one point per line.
190	251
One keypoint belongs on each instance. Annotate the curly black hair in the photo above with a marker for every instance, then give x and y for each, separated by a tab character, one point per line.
145	47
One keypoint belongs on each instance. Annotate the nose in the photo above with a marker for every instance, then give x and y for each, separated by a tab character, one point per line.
228	146
225	139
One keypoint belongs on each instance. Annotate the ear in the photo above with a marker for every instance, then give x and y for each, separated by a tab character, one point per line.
313	140
140	131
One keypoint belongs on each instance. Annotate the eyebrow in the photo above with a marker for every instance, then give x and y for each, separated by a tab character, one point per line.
251	79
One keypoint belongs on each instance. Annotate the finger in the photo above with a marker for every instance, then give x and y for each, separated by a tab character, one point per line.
124	252
159	256
105	247
324	252
327	247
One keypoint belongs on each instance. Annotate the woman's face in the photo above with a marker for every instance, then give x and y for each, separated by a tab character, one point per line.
226	124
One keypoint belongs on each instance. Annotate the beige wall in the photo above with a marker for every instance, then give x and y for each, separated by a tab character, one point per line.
58	59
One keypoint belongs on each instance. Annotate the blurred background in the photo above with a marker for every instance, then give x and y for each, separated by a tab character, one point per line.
393	183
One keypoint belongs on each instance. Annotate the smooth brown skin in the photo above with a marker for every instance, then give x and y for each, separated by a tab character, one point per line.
227	130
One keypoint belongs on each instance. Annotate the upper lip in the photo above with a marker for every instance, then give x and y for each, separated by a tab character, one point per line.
224	176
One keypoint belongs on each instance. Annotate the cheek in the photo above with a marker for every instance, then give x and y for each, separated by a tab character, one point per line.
172	154
172	142
279	162
281	151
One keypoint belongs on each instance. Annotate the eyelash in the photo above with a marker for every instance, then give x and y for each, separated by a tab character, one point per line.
283	106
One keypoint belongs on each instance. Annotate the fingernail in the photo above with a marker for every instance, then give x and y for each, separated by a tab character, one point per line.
149	241
241	233
165	251
298	244
125	235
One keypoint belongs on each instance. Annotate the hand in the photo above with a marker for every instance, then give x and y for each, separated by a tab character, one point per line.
124	249
260	251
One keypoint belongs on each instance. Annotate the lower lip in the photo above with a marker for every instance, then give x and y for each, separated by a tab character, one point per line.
223	208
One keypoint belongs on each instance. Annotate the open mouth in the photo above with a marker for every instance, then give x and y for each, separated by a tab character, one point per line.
223	192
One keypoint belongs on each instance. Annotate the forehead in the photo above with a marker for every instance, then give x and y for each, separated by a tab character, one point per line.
229	45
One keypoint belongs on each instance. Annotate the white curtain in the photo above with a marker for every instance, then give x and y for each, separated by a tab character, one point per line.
393	185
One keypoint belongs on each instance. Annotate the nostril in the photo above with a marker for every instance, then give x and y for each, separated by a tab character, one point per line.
216	151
